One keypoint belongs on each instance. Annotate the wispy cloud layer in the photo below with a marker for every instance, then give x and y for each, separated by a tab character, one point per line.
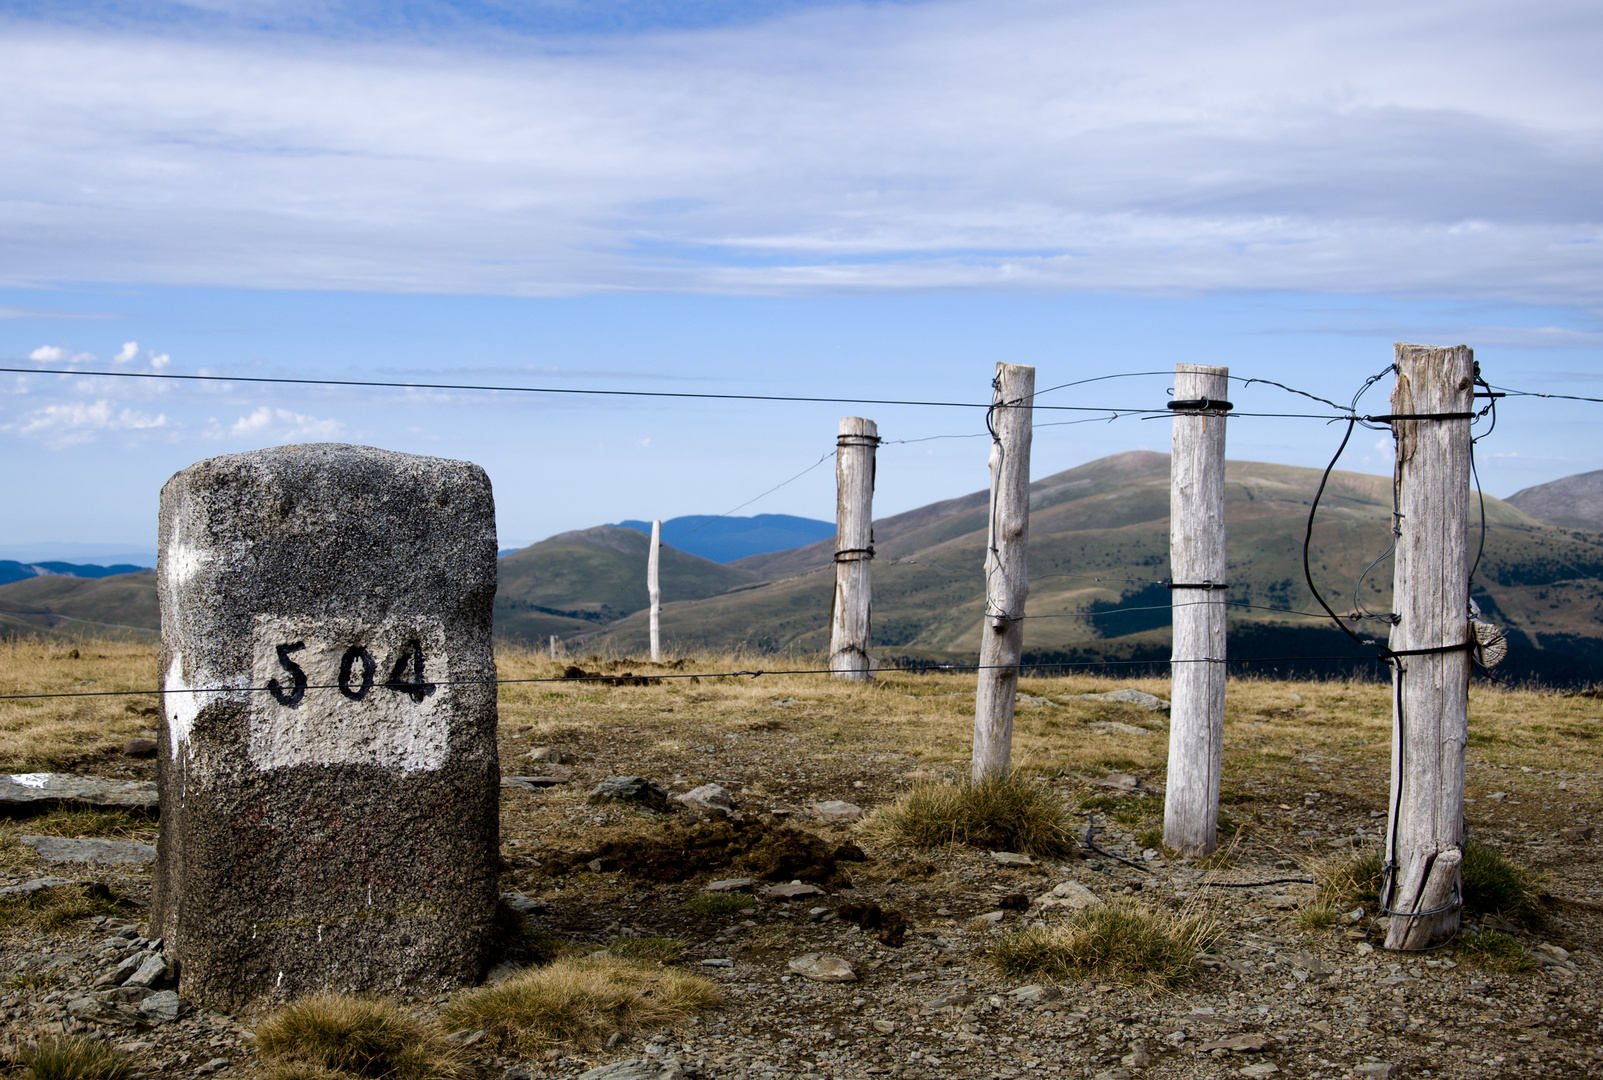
1155	147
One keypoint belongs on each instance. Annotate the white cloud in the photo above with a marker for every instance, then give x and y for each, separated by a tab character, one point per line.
282	425
1154	146
48	354
159	360
130	349
77	422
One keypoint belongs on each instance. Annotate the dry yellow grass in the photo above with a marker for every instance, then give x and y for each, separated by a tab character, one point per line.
583	1001
336	1035
58	734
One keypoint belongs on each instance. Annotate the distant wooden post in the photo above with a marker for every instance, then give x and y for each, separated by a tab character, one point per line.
850	613
1007	580
553	646
655	590
1198	570
1430	589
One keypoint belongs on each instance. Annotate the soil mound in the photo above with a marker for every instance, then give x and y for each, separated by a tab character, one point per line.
677	852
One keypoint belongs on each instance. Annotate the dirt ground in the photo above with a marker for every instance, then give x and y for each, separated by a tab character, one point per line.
1305	782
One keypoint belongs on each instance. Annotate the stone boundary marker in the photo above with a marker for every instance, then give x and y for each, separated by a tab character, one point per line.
330	818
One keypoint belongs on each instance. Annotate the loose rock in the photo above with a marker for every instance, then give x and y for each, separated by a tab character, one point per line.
161	1006
823	968
836	810
1011	858
1130	696
139	748
1375	1070
728	884
708	799
1070	894
634	790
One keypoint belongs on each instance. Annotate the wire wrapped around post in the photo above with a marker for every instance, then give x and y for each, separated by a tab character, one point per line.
851	616
1198	568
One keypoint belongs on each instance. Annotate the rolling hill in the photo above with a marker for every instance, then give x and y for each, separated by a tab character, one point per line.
1099	541
1571	502
72	606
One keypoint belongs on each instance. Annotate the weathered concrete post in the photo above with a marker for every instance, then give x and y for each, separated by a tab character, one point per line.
1007	573
328	772
1430	596
1197	565
849	618
654	590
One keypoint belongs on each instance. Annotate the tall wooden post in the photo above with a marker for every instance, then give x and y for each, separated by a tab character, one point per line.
1007	579
655	590
1430	590
1198	570
850	615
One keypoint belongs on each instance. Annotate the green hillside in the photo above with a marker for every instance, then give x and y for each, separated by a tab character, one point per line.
70	606
1108	520
577	582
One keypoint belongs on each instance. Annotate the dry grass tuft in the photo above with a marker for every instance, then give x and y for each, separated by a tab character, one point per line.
1492	950
1002	812
335	1035
74	1058
1120	941
720	903
661	949
582	1002
1317	917
51	909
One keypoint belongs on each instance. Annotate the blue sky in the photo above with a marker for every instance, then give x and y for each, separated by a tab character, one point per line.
805	198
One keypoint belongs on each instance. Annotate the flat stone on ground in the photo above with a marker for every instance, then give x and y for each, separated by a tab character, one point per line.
1150	702
60	849
1113	727
1011	858
729	884
66	789
1375	1070
28	888
637	1069
795	890
823	967
836	810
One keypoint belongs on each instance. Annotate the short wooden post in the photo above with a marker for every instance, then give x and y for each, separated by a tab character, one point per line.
1430	590
553	646
1007	580
850	612
1197	580
655	590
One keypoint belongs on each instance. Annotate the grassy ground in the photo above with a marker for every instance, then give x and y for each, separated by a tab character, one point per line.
1306	767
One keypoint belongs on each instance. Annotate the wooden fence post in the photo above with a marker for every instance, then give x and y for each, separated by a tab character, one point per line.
655	590
553	646
1007	581
850	612
1430	597
1198	572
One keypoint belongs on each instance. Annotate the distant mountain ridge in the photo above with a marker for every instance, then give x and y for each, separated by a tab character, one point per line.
17	571
1571	502
725	539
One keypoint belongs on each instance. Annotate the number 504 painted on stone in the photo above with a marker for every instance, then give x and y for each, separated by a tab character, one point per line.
357	672
348	691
